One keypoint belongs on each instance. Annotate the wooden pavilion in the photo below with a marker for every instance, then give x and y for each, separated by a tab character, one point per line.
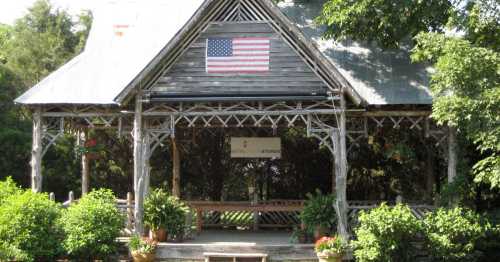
144	73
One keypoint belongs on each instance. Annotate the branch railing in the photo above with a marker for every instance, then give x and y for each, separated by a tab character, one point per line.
248	215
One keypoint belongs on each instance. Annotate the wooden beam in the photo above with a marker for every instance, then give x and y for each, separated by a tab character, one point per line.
452	154
146	155
176	169
138	168
36	151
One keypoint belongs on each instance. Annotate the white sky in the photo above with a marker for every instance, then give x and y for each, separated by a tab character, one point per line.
10	10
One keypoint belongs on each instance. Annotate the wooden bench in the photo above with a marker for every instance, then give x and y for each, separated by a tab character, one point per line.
234	256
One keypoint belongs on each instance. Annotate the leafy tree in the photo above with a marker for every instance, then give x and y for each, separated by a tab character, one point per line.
386	22
467	68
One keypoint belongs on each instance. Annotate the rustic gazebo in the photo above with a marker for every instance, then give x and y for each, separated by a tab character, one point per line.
145	73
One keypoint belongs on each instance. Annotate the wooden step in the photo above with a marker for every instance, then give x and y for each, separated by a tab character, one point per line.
234	256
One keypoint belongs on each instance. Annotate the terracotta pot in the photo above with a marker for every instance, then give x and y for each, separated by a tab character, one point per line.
319	232
140	257
329	257
159	235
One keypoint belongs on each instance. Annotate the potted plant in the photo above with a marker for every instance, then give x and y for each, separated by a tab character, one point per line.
319	215
330	249
142	250
164	215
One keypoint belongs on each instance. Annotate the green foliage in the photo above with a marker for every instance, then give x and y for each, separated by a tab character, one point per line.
8	188
164	211
466	86
92	225
319	211
143	246
386	234
451	234
28	228
386	22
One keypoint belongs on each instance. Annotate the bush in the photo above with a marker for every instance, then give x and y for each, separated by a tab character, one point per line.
164	211
451	234
319	211
28	229
8	188
386	234
92	226
489	245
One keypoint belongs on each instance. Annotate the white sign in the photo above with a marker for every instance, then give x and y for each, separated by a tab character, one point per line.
255	147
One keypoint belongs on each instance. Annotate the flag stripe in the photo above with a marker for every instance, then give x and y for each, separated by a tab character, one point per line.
238	55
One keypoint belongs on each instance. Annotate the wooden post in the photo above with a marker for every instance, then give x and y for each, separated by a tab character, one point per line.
130	211
36	151
255	201
334	182
138	167
52	196
85	167
146	155
176	170
429	170
341	179
452	154
199	221
71	197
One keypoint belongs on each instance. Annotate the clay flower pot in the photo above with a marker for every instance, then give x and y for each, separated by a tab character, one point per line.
330	257
159	235
141	257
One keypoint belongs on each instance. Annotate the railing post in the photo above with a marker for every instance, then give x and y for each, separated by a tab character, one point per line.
130	210
52	196
199	220
71	197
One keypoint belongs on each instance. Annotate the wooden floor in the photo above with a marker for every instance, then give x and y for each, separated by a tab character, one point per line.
277	245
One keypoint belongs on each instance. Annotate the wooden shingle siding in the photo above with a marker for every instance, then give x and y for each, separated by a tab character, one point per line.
288	74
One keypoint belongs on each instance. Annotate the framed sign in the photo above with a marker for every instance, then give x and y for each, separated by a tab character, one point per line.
255	147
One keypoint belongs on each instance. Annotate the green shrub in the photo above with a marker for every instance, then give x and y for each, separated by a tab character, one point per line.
386	234
451	234
28	228
8	188
164	211
92	225
489	245
319	210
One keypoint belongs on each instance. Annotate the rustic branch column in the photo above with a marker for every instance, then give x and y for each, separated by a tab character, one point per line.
146	155
452	154
36	151
341	171
85	167
176	169
138	167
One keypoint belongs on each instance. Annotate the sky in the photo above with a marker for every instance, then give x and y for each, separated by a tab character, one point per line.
10	10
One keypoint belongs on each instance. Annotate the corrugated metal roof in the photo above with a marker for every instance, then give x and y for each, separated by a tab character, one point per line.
379	77
125	37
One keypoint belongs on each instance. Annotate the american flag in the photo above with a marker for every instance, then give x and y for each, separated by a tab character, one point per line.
238	55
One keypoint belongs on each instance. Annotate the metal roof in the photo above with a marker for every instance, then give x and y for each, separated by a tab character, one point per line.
379	77
128	36
125	37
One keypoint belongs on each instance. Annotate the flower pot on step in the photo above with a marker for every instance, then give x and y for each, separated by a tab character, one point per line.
141	257
159	235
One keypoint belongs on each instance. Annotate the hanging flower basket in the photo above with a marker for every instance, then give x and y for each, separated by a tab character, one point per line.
91	149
